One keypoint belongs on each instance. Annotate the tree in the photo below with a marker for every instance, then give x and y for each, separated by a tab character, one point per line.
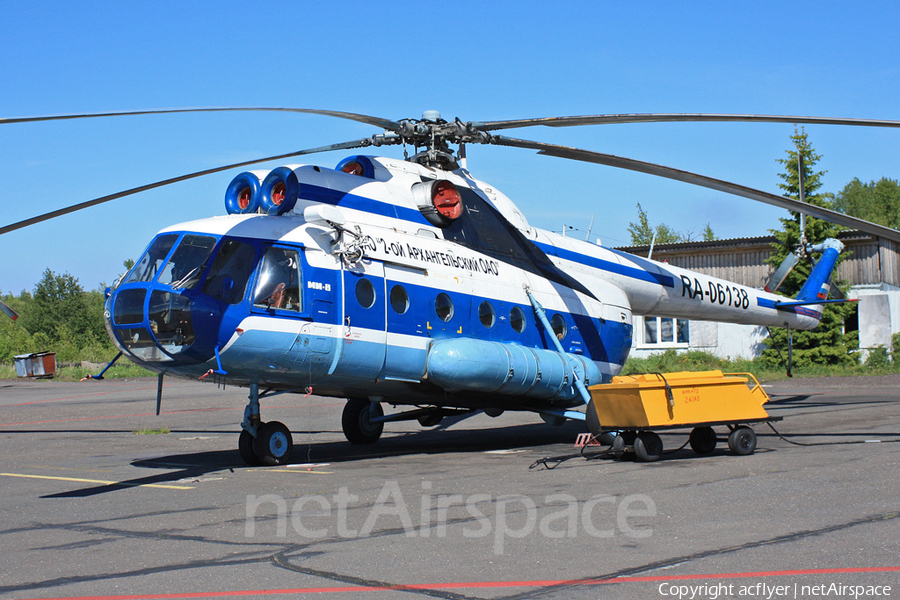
708	235
878	202
61	311
827	344
642	232
14	339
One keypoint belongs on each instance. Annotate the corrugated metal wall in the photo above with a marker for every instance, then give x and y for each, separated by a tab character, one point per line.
867	259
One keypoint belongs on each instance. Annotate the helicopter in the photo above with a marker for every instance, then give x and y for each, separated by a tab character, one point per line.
411	283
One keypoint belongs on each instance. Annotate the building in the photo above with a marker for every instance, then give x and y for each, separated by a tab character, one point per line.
871	266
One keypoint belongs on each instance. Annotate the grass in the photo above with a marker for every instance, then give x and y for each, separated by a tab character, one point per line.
670	362
667	362
77	373
161	431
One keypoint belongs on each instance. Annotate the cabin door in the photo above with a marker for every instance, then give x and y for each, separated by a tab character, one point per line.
363	338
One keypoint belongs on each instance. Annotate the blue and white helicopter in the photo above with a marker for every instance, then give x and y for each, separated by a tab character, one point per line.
409	282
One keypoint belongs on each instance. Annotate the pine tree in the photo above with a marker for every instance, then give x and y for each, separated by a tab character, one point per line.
826	344
642	233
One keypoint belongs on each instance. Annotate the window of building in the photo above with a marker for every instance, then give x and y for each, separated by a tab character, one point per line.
663	332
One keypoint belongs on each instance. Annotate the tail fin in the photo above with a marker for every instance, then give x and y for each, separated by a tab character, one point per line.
818	283
817	286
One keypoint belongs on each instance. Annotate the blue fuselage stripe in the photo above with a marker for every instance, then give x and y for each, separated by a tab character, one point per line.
798	310
606	265
353	201
317	193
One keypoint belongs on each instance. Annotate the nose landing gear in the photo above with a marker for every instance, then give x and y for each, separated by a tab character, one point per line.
263	443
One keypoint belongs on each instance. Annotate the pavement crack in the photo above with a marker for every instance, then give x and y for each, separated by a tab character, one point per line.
282	560
610	578
99	577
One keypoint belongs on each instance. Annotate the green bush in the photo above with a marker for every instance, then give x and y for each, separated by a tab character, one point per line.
878	358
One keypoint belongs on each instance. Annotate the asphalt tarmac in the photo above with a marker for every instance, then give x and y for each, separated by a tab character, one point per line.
94	504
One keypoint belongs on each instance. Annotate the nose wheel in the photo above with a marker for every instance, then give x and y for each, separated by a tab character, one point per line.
272	443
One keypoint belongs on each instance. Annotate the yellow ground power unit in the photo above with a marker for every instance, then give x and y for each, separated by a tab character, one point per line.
634	405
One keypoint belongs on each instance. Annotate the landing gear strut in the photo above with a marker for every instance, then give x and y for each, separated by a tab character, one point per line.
263	443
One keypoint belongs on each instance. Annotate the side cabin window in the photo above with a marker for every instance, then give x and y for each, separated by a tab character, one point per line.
230	271
278	284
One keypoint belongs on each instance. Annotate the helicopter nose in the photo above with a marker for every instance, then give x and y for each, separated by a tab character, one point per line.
153	325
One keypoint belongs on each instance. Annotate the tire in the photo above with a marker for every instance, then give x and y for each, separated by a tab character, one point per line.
648	447
591	419
357	424
430	420
703	440
742	440
245	448
273	444
618	446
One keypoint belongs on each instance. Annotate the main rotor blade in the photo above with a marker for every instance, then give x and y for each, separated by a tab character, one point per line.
377	121
676	117
701	180
82	205
4	308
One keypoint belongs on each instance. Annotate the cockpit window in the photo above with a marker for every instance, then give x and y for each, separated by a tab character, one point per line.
152	260
186	265
230	271
278	285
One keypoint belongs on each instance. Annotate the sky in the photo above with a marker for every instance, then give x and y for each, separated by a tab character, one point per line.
478	61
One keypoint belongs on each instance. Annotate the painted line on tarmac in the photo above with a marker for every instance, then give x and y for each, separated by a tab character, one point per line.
294	471
78	397
98	481
479	584
73	419
165	412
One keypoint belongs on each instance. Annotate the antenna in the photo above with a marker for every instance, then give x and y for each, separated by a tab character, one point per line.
802	215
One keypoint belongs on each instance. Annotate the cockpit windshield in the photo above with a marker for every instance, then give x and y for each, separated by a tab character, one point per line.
183	270
186	265
147	268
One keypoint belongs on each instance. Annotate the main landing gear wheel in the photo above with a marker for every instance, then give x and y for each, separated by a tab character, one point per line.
703	440
648	447
273	444
245	447
357	421
430	420
742	440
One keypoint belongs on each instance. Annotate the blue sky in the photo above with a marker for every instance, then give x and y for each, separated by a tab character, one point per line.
472	60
